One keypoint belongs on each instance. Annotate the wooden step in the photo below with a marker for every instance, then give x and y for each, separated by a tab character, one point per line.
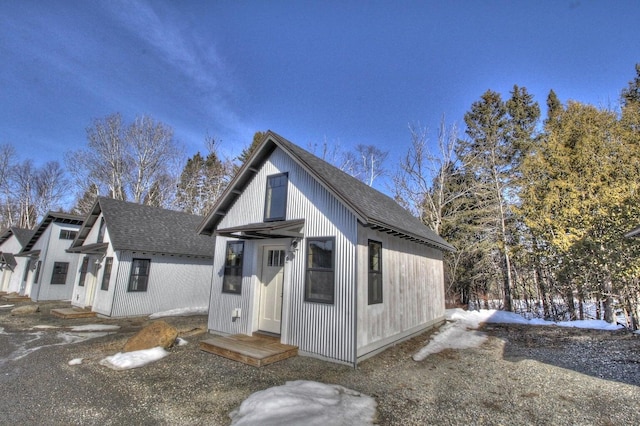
72	313
13	298
252	350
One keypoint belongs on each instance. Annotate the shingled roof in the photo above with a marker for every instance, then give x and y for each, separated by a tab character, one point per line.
372	207
137	227
22	235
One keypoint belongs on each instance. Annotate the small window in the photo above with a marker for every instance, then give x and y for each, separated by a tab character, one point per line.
59	275
232	280
320	279
139	277
36	277
66	234
375	272
83	271
101	231
275	206
106	276
276	258
26	269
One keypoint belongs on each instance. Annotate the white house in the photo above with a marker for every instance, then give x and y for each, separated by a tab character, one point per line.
51	271
139	260
306	252
13	267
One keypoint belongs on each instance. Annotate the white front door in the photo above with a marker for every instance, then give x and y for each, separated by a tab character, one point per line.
91	282
271	280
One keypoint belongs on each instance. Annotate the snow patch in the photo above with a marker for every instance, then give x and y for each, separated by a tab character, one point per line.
44	327
308	403
95	327
76	361
134	359
461	332
7	306
181	312
181	341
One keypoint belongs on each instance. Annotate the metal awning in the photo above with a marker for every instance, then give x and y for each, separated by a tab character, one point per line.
279	229
7	260
97	248
31	253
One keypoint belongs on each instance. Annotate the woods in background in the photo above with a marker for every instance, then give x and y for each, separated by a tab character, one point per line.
536	207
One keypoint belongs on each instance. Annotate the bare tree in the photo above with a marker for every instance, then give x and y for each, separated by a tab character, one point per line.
51	187
137	161
370	164
422	185
7	161
152	158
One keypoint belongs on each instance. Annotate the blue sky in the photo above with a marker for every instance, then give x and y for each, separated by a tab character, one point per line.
342	71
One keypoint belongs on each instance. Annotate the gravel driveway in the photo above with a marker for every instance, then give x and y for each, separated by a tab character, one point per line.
521	375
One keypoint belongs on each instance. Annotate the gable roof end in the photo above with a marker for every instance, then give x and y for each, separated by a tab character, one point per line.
373	208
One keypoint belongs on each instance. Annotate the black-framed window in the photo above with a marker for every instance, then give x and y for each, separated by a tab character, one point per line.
232	280
106	275
59	275
26	269
275	203
101	231
36	277
84	267
320	276
67	234
139	277
375	272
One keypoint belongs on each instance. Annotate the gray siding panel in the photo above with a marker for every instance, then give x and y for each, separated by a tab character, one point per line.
54	250
174	282
413	291
320	329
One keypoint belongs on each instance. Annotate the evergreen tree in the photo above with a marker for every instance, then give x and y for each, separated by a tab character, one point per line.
631	94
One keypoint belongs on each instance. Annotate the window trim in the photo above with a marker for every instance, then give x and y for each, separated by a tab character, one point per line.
267	207
370	272
59	275
131	275
332	270
84	268
106	274
67	234
101	231
227	267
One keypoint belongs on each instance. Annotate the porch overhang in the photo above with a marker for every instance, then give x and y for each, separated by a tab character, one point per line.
7	260
97	248
31	253
262	230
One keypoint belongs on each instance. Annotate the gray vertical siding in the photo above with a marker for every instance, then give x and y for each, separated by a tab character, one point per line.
413	291
316	328
53	250
174	282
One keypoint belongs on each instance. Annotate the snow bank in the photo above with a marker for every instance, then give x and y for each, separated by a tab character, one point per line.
75	361
134	359
181	312
306	403
461	332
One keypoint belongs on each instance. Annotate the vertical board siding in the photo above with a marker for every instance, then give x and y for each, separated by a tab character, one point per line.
413	290
53	250
174	282
321	329
12	279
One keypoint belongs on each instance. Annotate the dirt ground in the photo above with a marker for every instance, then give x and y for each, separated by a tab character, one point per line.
521	375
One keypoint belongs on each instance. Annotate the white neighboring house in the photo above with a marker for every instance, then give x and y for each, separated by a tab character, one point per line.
51	271
12	266
138	260
310	254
